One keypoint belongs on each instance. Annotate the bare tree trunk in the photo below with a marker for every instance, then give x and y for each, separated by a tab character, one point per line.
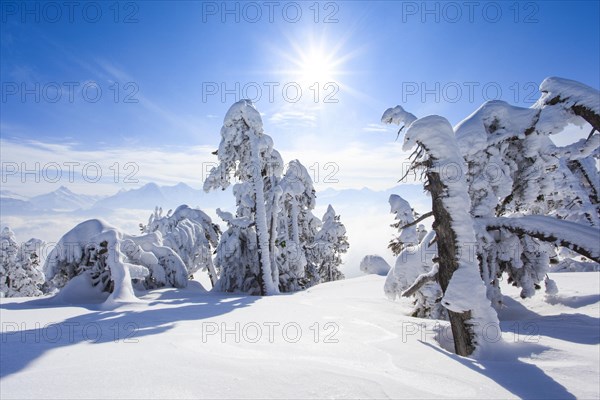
447	261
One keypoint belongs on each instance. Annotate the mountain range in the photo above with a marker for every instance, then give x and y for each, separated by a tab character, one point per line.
146	197
151	195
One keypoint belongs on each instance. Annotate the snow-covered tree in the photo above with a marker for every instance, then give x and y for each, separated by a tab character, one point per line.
114	261
247	153
269	245
191	234
309	227
414	274
504	194
457	272
237	257
516	170
407	220
8	254
415	271
329	244
294	234
20	271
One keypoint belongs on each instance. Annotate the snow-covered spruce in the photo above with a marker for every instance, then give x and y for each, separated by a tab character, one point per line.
296	230
330	243
270	244
191	234
20	270
407	223
114	261
247	153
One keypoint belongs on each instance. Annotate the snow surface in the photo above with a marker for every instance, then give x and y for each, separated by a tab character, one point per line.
164	347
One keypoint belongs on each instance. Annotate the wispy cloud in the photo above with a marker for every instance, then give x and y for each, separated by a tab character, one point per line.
287	118
376	128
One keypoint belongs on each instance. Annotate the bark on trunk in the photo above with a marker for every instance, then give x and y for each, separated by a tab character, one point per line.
447	261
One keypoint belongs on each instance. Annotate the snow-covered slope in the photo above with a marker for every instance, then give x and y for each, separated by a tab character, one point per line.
337	340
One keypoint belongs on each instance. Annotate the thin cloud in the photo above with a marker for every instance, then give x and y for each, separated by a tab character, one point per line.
376	128
293	117
34	167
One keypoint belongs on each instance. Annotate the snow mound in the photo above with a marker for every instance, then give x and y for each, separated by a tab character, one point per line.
374	264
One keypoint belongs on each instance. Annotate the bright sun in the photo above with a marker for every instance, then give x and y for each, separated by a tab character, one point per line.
316	66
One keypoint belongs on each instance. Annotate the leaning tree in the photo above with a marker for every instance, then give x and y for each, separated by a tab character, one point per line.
504	198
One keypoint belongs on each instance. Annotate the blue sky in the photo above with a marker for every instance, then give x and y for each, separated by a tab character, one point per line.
161	68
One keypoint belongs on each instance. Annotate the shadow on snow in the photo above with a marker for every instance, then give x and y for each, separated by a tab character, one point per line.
524	380
20	347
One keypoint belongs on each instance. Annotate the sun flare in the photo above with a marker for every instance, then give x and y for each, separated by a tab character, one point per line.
317	66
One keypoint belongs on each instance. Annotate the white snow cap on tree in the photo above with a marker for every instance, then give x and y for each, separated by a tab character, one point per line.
112	259
397	115
404	215
573	93
191	234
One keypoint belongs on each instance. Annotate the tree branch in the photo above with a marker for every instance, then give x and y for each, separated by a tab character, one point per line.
416	221
547	229
420	281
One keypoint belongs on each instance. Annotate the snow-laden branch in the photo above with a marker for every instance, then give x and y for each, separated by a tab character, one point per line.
582	239
418	220
580	149
421	280
574	97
